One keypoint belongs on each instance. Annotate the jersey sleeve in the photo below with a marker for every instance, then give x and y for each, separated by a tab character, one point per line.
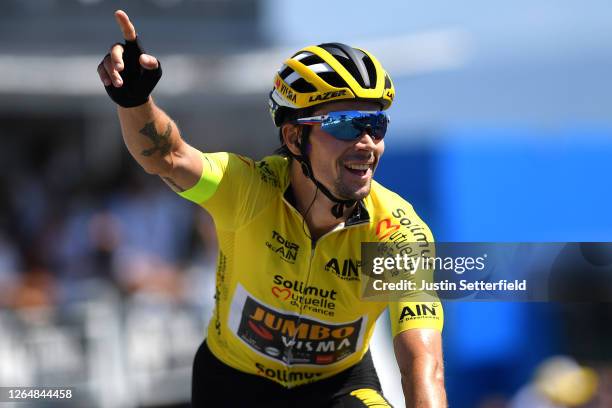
213	169
415	315
416	309
231	188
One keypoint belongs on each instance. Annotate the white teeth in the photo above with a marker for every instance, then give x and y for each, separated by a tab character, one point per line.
358	166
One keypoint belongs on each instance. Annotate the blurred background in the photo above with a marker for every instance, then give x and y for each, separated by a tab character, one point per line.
501	131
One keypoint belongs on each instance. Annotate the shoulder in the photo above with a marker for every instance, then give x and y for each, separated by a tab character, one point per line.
383	203
273	170
390	213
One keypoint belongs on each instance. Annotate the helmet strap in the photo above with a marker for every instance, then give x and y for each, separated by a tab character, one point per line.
337	209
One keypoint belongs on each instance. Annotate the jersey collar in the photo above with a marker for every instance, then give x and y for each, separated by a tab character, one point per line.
359	215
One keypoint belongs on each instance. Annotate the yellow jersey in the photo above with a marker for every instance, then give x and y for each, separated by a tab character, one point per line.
286	308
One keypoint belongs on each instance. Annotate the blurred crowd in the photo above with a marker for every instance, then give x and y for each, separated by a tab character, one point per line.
106	281
60	230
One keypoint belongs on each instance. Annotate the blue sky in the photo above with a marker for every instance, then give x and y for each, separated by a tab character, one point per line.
292	22
545	62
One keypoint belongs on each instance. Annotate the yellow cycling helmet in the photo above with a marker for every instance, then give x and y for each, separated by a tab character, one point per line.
328	72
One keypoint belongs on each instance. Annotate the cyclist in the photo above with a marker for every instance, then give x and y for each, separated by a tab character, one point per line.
289	326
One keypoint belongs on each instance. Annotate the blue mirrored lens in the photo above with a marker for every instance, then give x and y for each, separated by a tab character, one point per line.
349	125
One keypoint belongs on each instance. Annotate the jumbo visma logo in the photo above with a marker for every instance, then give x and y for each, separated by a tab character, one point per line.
293	339
285	90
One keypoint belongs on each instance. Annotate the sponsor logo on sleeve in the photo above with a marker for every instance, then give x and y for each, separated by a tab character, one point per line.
267	175
402	233
385	228
419	311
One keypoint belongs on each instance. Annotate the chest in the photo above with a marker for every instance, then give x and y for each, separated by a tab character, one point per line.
277	263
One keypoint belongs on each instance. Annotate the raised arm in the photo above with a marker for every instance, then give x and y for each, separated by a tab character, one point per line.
419	356
150	135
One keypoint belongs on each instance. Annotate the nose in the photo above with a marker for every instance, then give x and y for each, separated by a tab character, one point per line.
366	141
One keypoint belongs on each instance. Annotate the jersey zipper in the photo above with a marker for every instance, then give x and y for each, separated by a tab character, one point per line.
293	341
313	248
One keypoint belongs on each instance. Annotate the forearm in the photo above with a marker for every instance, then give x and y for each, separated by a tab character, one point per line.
423	383
151	137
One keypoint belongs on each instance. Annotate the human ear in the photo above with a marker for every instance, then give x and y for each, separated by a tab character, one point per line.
292	138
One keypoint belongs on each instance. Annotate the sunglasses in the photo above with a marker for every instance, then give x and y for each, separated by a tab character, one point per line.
350	125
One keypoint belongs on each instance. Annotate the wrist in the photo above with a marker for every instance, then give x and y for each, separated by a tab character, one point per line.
145	106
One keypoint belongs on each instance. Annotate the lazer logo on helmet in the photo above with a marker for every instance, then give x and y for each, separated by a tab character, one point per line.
292	339
327	96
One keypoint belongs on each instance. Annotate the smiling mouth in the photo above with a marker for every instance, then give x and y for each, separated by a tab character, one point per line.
358	169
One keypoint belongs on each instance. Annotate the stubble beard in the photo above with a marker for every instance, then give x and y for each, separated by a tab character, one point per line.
346	193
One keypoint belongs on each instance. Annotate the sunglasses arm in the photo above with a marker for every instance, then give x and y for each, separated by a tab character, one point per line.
313	120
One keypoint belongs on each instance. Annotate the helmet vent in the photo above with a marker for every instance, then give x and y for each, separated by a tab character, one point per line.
286	72
312	60
333	78
352	60
301	55
351	68
371	71
301	85
387	82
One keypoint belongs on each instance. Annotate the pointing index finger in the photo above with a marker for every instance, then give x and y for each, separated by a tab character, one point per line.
126	26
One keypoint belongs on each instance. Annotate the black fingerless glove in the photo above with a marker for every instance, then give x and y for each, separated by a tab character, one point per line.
138	82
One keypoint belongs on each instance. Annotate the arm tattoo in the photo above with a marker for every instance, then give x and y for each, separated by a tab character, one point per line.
173	184
161	142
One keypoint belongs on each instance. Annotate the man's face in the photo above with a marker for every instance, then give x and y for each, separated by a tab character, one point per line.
345	167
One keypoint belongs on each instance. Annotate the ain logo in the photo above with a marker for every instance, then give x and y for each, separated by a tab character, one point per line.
347	269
